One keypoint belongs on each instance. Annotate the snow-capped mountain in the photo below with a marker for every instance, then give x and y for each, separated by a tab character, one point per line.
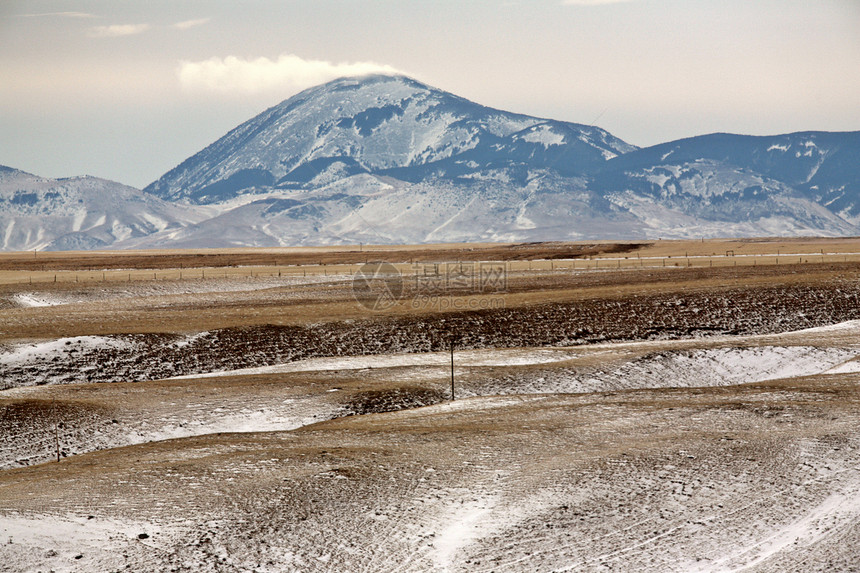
387	159
800	183
386	126
820	166
79	212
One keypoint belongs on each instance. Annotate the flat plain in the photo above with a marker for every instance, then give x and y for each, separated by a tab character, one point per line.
653	406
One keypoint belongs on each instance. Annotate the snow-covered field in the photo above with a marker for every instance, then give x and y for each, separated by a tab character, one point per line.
658	369
607	367
583	368
493	357
680	434
31	353
154	288
691	482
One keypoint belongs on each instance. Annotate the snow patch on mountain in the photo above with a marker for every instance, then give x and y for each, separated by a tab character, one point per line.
542	134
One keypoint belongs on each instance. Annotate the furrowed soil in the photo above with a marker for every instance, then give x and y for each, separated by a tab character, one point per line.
621	416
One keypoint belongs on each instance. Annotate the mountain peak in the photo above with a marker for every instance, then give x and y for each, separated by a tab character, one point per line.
382	125
347	84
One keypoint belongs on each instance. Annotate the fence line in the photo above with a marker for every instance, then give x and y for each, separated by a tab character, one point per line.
606	263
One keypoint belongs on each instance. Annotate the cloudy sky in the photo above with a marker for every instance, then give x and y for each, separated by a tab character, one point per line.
127	90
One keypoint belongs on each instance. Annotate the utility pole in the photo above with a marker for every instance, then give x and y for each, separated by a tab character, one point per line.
452	369
453	338
56	427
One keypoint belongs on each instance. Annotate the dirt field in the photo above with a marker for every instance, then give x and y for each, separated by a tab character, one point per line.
630	416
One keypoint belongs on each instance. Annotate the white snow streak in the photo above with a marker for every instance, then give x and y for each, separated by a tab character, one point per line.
28	353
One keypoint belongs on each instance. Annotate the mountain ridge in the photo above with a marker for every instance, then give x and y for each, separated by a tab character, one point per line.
388	159
79	213
390	125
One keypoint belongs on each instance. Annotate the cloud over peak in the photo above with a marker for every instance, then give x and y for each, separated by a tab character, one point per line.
117	30
186	24
288	73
